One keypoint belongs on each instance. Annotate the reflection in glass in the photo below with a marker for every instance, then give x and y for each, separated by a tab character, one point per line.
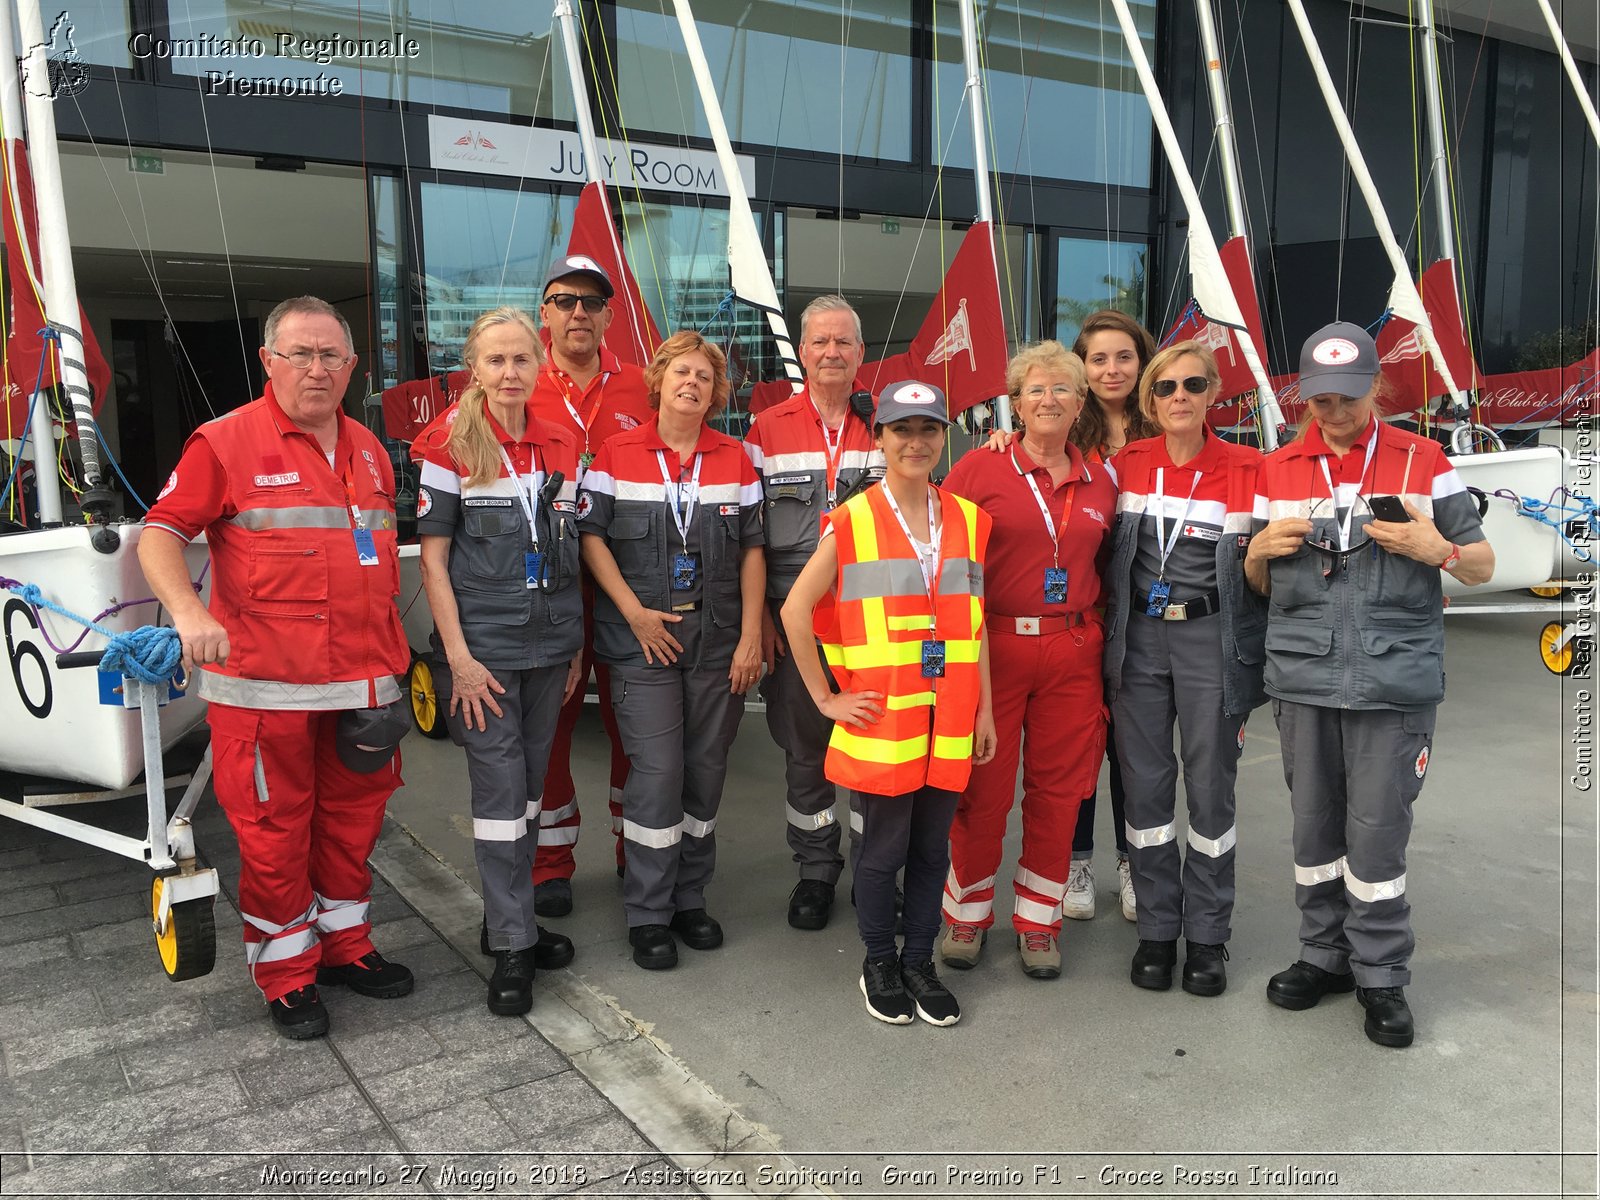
1092	274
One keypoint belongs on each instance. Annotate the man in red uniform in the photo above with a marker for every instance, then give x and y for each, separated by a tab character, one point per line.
299	654
811	452
587	389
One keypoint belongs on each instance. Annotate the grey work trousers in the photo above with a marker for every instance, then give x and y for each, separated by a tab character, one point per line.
678	724
505	767
802	733
1173	672
1353	776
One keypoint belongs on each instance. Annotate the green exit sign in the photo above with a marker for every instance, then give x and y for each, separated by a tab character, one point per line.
146	164
890	225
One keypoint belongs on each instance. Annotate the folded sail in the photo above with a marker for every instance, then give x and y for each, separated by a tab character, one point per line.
632	336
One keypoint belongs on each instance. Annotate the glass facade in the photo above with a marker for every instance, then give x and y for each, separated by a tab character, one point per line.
1063	98
1092	274
90	32
835	79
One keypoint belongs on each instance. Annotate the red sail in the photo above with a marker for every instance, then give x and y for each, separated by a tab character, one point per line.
961	346
632	336
1409	374
24	315
1222	341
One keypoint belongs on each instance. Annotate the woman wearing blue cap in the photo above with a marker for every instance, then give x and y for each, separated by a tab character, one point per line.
1354	524
895	592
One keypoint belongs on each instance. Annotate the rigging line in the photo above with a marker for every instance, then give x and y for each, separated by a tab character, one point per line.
216	189
845	12
997	225
1452	161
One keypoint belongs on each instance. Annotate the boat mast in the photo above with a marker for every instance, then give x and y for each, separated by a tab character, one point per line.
980	158
55	252
1572	69
47	485
1228	152
750	273
1441	164
1403	296
1212	288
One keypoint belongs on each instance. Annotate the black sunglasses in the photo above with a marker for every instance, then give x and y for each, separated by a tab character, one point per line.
567	301
1195	385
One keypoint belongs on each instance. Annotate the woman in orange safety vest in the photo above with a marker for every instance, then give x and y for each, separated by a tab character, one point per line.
896	595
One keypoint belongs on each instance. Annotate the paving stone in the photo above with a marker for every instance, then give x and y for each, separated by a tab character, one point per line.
22	856
122	937
174	1022
133	981
389	1049
135	880
394	936
305	1123
70	1086
429	959
138	1120
354	1015
244	1045
45	949
536	1108
435	1085
387	904
32	873
236	1006
11	1149
471	1127
24	1024
70	918
127	1173
282	1077
473	1028
27	900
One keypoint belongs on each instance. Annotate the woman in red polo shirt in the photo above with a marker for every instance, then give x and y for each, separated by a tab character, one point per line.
1052	514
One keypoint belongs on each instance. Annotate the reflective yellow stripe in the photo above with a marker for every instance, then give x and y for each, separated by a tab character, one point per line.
916	621
884	653
879	750
914	700
945	746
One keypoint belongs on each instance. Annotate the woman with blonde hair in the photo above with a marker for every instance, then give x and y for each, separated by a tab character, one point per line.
496	511
670	514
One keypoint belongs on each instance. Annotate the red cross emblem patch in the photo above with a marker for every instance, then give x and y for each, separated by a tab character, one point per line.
1422	762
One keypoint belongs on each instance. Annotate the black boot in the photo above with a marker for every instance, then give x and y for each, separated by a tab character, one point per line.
1302	985
1153	963
1388	1016
511	985
1203	972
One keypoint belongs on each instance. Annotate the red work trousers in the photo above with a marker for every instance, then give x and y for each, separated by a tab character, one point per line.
1049	714
559	817
306	824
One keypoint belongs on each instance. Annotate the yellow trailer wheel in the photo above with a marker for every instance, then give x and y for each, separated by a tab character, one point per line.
425	700
1545	593
188	947
1559	659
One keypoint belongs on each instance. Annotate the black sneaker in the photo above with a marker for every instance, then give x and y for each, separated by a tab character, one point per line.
933	1001
885	991
370	975
300	1014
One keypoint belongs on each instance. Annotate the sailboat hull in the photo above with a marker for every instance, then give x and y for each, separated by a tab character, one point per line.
69	724
1525	551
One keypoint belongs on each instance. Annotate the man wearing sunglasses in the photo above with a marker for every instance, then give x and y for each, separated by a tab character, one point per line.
587	389
1355	666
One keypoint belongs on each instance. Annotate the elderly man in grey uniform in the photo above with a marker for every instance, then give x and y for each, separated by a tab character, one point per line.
811	452
1355	522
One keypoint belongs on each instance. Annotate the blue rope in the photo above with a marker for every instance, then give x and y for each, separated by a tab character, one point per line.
112	459
1584	509
150	653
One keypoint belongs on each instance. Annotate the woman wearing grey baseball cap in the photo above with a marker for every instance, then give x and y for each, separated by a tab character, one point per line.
1355	665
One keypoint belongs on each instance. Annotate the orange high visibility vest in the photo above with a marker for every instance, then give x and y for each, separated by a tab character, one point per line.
872	628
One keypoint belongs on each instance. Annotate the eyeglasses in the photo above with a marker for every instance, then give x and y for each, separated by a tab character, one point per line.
567	301
1195	385
1061	391
301	360
1324	517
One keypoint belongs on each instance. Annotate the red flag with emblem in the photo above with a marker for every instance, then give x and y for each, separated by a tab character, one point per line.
632	336
961	346
24	315
1409	372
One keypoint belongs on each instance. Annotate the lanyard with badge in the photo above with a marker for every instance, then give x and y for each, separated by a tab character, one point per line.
932	645
832	454
585	422
1055	577
366	548
681	500
1333	494
533	566
1161	590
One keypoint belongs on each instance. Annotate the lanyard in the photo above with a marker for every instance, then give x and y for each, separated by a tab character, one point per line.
929	567
584	422
681	507
1366	469
1049	521
1164	543
357	521
529	495
831	459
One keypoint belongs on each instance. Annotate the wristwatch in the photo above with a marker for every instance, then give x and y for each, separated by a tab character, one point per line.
1451	559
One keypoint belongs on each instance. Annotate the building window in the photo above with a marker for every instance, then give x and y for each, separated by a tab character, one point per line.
1092	274
1064	101
482	55
89	32
835	79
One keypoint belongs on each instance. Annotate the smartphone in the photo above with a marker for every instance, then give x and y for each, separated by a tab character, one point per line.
1389	508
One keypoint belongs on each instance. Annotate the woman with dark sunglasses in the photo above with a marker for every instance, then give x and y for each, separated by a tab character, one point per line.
1183	643
1355	667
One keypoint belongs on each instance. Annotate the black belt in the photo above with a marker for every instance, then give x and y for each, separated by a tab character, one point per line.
1192	610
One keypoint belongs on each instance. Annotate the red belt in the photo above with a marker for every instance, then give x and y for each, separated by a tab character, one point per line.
1033	626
